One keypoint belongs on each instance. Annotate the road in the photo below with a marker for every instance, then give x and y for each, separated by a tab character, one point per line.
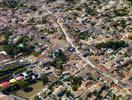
119	83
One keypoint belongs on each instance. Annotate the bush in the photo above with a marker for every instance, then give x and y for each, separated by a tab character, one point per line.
19	70
60	59
12	3
14	49
7	33
45	79
68	93
121	12
76	82
37	98
91	11
5	77
112	44
73	1
23	84
83	36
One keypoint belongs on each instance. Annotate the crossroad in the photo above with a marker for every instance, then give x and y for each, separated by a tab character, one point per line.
86	60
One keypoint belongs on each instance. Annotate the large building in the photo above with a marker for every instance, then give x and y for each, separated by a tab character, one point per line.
6	61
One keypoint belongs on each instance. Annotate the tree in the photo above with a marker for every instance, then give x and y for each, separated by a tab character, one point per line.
37	97
89	76
121	12
49	1
76	82
112	44
23	84
60	59
73	1
91	11
7	33
75	87
68	93
13	3
45	79
21	46
10	3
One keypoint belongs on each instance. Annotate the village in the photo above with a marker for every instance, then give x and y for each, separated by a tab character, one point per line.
65	50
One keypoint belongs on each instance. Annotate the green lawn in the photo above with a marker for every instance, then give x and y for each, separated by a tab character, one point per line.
37	87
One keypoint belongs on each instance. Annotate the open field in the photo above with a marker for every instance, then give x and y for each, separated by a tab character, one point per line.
37	87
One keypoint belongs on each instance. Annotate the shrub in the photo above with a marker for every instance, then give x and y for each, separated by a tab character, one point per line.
112	44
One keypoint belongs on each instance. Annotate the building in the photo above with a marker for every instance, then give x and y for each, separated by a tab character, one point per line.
4	57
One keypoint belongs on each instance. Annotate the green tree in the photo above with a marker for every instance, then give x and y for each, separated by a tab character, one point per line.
74	87
13	3
45	79
89	76
73	1
91	11
23	84
68	93
76	82
112	44
7	33
60	59
37	97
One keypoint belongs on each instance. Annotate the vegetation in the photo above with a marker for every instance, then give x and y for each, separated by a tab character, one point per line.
68	93
21	46
37	87
9	71
49	1
45	79
121	12
60	59
37	98
19	71
91	11
129	3
90	77
83	36
73	1
112	44
12	3
7	33
5	77
76	82
24	84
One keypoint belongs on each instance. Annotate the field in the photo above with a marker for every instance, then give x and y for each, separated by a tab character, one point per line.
37	87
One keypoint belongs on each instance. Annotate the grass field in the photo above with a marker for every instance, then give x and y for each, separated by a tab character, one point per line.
37	87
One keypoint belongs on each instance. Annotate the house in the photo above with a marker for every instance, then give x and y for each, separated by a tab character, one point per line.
59	91
6	61
11	63
4	57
